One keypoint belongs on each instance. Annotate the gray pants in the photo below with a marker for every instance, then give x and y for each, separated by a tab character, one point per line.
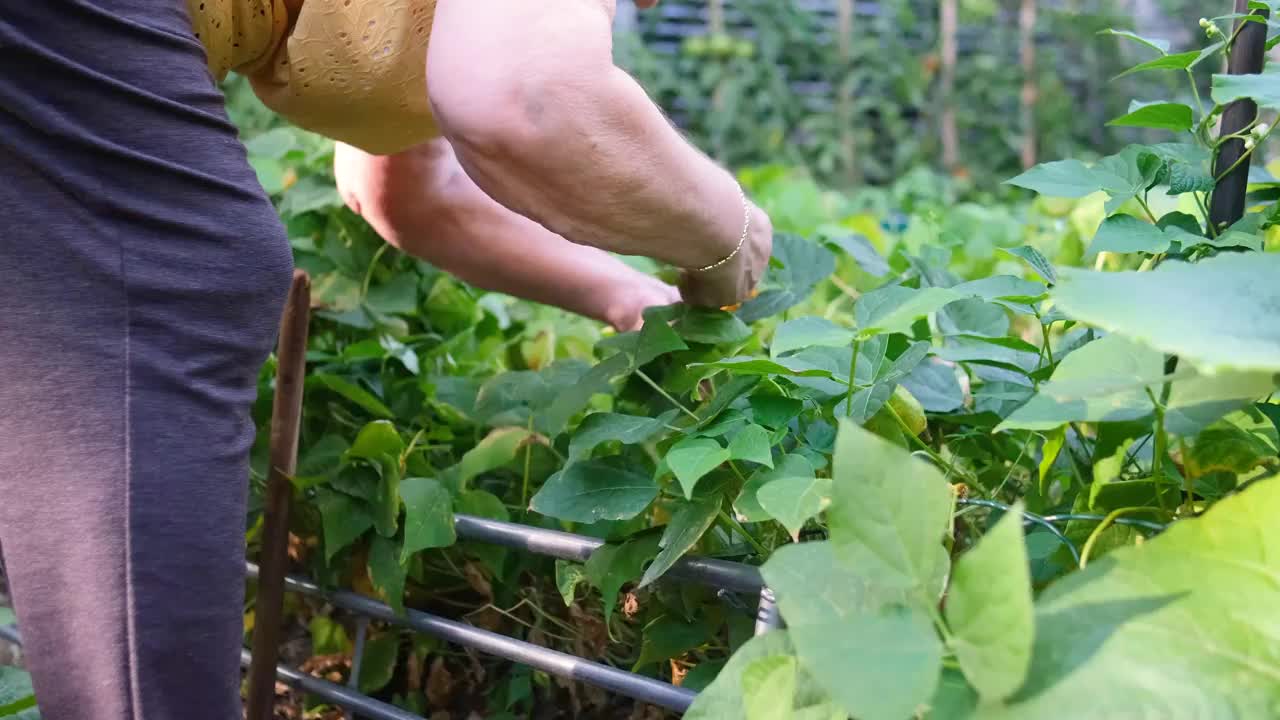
142	275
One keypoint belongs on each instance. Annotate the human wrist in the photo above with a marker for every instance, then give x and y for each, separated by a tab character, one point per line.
727	229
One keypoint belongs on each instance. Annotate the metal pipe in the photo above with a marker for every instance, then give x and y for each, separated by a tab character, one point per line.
357	656
286	419
578	548
336	694
768	617
638	687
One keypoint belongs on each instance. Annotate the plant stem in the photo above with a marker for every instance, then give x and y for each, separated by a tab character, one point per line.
853	369
658	388
733	525
368	275
1143	202
1103	525
1195	91
524	490
1248	153
941	461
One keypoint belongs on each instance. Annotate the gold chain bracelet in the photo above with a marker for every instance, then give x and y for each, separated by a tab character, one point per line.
746	229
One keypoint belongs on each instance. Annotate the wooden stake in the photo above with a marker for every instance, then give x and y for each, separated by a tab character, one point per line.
286	419
1030	89
948	59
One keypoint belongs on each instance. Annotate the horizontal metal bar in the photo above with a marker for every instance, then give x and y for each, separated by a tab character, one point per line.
638	687
10	634
577	548
338	695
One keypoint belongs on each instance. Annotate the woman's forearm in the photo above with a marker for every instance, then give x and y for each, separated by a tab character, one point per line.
545	124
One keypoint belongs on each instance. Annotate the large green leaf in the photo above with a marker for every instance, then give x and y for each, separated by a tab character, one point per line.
711	326
989	609
1159	45
804	264
612	566
1061	178
343	518
692	458
497	449
687	526
375	440
1161	116
1262	88
748	503
1180	61
595	490
1219	313
1113	380
352	392
598	428
1181	626
751	443
894	308
770	688
793	500
385	571
428	516
378	664
889	511
1128	234
724	698
808	332
1036	260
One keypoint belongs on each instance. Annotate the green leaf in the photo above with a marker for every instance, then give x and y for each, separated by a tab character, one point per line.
1180	61
809	332
612	566
888	511
568	577
687	526
1262	88
352	392
1224	447
1053	443
496	450
789	366
378	664
1272	411
344	519
793	500
873	656
724	699
751	444
877	667
669	637
1002	287
1059	179
748	506
712	327
328	637
973	316
893	309
386	573
1161	116
769	686
273	144
1217	314
377	439
595	490
1160	46
692	458
598	428
399	296
804	264
1128	234
989	609
1036	260
1180	625
863	252
386	517
428	516
775	411
935	385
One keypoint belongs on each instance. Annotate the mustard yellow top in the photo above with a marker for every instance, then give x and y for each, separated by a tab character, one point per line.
352	70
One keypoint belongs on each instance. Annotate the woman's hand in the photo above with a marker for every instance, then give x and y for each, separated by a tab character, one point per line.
733	282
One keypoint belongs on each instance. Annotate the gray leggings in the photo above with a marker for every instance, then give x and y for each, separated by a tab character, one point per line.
142	275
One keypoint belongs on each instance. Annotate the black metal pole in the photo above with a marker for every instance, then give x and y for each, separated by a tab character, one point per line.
638	687
577	548
1247	55
341	696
